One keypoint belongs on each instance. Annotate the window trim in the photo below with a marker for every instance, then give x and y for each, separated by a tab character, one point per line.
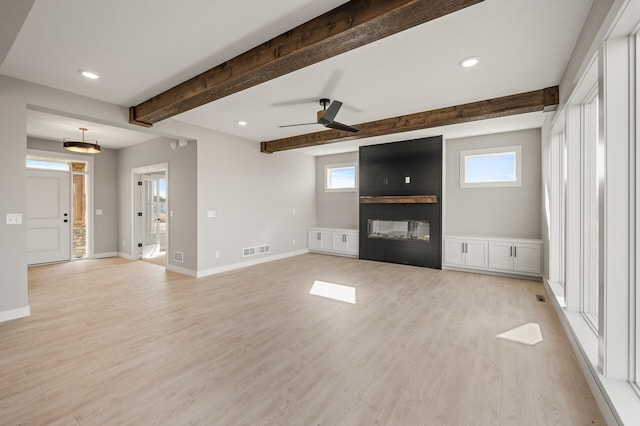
340	166
517	149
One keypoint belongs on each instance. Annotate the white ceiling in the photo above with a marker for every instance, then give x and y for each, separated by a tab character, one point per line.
143	47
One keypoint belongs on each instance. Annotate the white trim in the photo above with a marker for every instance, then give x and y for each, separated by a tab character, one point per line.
181	270
341	166
601	387
105	255
127	256
532	277
12	314
247	263
485	152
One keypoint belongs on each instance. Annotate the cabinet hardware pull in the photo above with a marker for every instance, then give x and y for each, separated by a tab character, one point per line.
515	252
466	247
344	238
462	245
511	251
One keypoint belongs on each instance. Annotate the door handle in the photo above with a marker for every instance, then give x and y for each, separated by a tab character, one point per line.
65	215
65	221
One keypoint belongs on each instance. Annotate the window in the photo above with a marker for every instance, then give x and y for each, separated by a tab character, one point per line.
491	167
340	177
591	169
33	163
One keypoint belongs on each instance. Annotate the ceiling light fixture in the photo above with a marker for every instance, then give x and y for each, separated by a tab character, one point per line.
242	123
90	75
84	146
469	62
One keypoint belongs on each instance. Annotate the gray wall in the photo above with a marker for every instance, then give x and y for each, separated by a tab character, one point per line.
182	192
335	209
13	238
495	212
105	194
254	196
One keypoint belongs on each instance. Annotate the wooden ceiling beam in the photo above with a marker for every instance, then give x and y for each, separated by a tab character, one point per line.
347	27
537	100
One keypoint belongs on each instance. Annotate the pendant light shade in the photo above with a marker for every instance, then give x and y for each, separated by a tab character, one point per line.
84	146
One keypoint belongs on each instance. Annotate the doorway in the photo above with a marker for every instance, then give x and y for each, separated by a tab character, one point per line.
57	216
150	205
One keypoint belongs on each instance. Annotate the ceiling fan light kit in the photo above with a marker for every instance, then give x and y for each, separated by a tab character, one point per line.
83	146
326	117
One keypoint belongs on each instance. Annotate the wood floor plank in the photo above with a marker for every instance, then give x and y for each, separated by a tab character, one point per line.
113	341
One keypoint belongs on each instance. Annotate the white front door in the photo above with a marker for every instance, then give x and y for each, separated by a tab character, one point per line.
48	217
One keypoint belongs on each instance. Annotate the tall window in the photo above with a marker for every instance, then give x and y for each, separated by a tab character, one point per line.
340	177
590	209
492	167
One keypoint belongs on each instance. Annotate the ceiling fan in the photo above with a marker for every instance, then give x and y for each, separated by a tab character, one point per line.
326	117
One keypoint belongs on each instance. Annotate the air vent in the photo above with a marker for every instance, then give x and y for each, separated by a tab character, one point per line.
540	298
178	256
252	251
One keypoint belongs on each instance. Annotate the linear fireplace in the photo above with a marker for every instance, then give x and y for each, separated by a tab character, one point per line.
400	208
399	229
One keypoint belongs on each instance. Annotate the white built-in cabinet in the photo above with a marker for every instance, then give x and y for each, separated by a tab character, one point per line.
343	242
465	252
513	256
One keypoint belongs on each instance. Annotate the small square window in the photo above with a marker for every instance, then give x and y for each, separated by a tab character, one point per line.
492	167
340	177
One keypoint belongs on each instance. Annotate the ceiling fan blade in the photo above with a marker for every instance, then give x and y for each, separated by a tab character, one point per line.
330	113
340	126
299	124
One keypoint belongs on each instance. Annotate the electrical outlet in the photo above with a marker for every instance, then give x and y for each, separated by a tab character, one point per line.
217	254
293	243
14	219
293	212
99	212
211	214
124	243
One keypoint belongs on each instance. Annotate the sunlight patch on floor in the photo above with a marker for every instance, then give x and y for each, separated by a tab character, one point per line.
529	334
339	292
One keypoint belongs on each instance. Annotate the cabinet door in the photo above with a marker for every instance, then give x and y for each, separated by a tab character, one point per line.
501	255
319	240
352	243
453	251
477	253
339	241
527	258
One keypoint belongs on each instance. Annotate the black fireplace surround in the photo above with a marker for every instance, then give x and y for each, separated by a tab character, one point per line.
406	232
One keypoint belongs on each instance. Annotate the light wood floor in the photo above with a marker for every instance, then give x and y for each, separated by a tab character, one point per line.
116	342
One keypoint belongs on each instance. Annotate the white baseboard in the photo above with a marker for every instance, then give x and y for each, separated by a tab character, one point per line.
181	270
128	256
491	272
594	379
247	263
15	313
105	255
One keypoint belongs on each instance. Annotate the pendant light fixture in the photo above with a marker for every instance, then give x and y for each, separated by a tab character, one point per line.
84	146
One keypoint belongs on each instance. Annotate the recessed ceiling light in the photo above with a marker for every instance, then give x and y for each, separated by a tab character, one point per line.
242	123
90	75
469	62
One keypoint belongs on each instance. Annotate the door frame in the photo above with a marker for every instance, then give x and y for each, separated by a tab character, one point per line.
136	172
89	160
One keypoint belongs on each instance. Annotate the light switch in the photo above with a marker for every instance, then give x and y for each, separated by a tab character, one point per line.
99	212
407	179
211	213
14	218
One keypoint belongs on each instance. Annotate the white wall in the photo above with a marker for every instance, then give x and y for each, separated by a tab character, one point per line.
335	209
510	212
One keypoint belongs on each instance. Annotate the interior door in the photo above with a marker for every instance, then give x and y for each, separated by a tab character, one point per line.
48	216
150	218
